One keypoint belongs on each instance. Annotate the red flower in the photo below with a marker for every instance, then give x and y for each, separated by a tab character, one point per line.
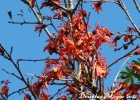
62	98
33	3
98	6
45	4
135	67
126	37
98	25
44	96
51	47
137	52
115	42
4	90
1	51
130	30
100	71
59	15
27	97
40	27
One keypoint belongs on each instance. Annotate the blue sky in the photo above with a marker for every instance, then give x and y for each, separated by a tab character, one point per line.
28	45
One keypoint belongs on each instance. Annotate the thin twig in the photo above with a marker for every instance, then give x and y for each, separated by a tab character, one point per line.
127	44
127	54
33	75
124	34
58	5
40	21
38	8
65	2
70	4
54	83
21	23
12	74
136	4
78	3
50	19
3	97
16	91
20	73
34	60
121	4
112	1
57	92
11	51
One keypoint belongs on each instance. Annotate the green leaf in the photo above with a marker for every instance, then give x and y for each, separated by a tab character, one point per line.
136	76
124	73
139	59
127	69
135	62
127	80
10	14
123	77
22	12
132	81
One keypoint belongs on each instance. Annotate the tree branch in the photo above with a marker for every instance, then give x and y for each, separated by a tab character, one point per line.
20	73
12	74
58	5
57	92
16	91
21	23
136	4
40	20
121	4
129	53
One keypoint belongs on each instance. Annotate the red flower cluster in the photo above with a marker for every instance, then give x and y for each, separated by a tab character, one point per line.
76	43
98	6
130	90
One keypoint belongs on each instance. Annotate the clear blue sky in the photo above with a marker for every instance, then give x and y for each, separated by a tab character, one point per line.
27	43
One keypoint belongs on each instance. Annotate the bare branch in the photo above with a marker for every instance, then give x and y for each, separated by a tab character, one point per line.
38	8
71	4
121	4
136	4
112	1
57	92
3	97
79	67
54	83
65	2
35	60
16	91
21	23
32	60
124	34
126	45
11	51
33	75
50	19
20	73
12	74
129	53
78	3
58	5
